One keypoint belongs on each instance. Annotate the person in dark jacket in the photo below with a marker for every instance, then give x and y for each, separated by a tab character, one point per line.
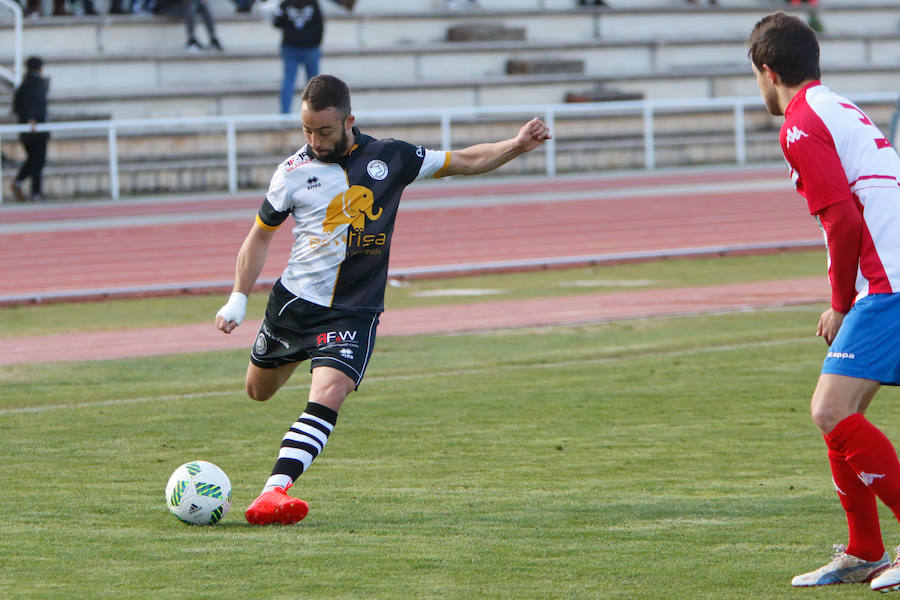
30	106
302	26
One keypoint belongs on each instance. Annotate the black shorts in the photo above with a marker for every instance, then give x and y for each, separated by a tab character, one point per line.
295	330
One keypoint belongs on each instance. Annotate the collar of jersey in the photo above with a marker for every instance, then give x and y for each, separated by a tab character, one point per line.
798	95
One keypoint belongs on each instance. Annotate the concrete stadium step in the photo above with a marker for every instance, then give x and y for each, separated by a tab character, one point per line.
655	53
163	68
233	99
122	34
134	67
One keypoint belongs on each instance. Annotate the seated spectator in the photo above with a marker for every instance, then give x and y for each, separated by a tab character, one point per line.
458	4
33	8
143	7
87	7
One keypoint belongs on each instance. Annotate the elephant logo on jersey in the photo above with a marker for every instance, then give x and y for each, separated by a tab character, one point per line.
351	208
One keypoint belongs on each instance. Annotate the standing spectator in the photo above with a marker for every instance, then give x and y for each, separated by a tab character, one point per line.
302	26
30	106
191	7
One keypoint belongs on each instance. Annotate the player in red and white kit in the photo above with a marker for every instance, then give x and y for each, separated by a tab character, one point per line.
850	176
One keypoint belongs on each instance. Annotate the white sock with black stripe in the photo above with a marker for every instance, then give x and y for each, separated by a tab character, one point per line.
303	442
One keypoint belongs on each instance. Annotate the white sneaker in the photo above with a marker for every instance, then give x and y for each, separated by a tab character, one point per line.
889	579
845	568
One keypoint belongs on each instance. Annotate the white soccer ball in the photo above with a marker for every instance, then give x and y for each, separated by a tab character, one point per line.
199	493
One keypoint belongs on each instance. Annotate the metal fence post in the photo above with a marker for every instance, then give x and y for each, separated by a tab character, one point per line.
649	149
232	156
446	139
740	134
113	162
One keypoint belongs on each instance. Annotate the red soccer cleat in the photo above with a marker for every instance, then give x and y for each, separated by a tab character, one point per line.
275	506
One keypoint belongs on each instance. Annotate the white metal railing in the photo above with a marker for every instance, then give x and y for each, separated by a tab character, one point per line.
647	108
14	76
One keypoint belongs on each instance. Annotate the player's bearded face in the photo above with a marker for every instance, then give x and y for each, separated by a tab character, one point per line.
326	133
768	92
338	148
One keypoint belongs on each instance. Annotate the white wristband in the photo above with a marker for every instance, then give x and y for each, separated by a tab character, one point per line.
235	309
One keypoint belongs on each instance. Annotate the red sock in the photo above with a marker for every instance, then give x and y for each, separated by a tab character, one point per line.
859	503
871	455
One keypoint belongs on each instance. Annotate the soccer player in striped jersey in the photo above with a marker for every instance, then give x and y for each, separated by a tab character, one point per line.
342	189
849	174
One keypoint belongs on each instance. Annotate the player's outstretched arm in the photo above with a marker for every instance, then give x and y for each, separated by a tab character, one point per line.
482	158
250	261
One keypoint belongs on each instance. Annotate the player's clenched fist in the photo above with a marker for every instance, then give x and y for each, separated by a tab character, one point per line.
232	314
532	134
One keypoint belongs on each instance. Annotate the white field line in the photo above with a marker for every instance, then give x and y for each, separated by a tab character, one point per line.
433	374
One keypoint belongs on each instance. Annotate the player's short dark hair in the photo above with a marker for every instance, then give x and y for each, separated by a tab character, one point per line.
788	46
325	91
34	63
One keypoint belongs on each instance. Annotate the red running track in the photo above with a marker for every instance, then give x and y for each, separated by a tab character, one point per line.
475	316
60	248
76	247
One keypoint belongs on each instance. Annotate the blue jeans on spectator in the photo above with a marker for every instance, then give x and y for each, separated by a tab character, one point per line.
293	56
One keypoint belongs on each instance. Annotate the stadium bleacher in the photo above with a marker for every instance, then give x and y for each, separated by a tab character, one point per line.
400	54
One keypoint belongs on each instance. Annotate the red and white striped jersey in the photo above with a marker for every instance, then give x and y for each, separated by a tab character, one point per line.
836	153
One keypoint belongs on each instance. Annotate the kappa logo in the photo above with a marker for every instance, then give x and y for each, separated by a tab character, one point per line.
837	488
313	183
351	208
869	478
346	353
794	134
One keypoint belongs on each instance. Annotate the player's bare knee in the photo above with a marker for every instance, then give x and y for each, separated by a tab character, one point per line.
332	394
827	412
823	418
256	393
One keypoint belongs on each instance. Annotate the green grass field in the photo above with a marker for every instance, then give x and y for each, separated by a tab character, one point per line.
658	458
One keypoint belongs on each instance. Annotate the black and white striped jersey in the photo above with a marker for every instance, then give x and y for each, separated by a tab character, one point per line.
344	216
